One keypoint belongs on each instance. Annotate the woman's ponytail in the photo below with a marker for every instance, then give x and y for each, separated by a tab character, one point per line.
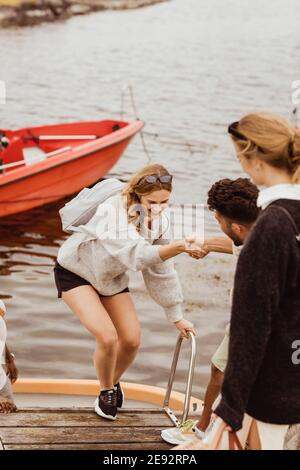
295	157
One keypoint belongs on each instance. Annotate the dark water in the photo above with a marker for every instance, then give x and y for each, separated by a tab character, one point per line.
195	66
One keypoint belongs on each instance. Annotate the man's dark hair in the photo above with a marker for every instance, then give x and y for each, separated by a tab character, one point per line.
234	199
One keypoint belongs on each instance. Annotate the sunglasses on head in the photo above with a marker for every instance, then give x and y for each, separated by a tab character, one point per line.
151	179
233	130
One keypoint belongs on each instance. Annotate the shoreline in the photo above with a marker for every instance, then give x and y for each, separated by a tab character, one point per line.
32	12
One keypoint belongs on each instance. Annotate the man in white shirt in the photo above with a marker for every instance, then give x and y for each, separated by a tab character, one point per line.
234	203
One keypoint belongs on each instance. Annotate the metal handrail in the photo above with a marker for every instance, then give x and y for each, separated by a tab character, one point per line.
189	384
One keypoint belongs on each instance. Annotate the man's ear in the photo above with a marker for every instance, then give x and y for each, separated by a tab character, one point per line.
236	228
240	230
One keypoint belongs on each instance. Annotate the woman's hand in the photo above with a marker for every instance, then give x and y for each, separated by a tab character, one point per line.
12	371
182	246
195	248
184	326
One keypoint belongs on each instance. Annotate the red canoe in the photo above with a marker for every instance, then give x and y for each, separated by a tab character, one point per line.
43	164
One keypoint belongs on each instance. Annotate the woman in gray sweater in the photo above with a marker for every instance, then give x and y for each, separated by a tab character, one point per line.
130	231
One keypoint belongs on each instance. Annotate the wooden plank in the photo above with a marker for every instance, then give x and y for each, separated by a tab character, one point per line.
1	445
79	418
108	446
87	409
73	435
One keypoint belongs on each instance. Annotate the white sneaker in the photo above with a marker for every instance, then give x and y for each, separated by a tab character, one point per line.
184	433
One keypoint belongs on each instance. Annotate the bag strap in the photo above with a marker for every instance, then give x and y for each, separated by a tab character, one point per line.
234	442
291	219
216	443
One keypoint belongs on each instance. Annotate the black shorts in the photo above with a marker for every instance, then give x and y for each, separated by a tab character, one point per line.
66	280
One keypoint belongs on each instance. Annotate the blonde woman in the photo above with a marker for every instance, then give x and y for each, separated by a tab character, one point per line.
262	377
91	275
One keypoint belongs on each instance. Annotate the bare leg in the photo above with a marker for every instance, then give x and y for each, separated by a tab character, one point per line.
85	303
7	406
253	437
212	392
122	312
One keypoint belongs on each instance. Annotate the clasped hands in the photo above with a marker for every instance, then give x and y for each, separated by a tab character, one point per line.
195	247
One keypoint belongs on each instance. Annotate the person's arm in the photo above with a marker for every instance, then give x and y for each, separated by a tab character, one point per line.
172	249
163	285
218	245
256	296
122	241
11	367
214	244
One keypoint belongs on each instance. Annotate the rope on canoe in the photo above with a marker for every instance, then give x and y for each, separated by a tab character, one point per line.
191	146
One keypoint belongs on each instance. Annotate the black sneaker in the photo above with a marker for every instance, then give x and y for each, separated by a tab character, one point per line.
105	404
120	395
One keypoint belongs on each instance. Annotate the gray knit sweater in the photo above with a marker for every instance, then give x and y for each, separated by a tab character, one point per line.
102	253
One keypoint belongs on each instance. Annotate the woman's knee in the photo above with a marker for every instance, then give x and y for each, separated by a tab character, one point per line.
107	340
130	343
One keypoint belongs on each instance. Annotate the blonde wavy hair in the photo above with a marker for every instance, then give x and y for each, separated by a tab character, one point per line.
271	138
138	186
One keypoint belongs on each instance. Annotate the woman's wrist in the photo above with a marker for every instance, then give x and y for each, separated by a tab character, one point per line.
180	245
171	250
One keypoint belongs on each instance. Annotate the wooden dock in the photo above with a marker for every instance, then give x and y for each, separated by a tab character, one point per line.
82	429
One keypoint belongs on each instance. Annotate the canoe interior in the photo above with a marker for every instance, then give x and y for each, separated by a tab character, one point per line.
32	144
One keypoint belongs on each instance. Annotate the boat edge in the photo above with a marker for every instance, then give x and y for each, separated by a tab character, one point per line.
137	392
